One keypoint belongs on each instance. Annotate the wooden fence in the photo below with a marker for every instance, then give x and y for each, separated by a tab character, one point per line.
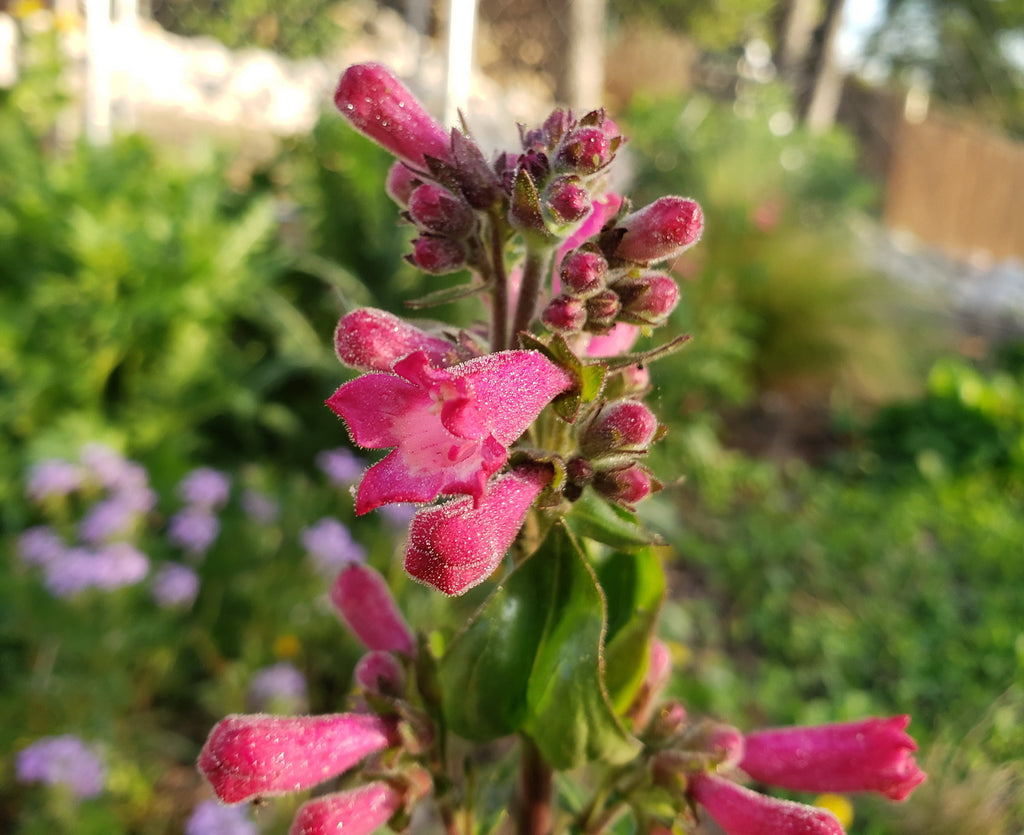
958	188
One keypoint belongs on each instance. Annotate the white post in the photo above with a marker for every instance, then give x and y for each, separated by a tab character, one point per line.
98	71
461	23
126	13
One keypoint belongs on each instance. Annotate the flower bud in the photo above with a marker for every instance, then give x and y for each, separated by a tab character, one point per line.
359	811
725	744
625	485
585	150
363	599
670	720
647	299
660	231
371	340
740	811
400	183
436	255
435	209
564	314
602	308
380	673
380	107
247	756
583	272
623	426
566	201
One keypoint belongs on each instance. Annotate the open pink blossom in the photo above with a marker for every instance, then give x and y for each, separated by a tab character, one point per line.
457	545
258	754
372	340
740	811
380	107
450	427
866	755
358	811
363	599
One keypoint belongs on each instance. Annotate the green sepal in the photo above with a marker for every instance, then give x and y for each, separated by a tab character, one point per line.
530	660
634	586
640	357
594	518
588	379
448	294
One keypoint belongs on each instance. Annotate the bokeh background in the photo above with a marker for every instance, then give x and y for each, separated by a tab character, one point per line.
183	220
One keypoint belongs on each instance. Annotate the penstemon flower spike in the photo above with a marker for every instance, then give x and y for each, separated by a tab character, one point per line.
526	435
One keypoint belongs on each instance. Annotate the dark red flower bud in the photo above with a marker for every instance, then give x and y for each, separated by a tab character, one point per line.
437	256
435	209
602	308
626	485
647	299
660	231
583	272
566	200
623	426
585	150
565	314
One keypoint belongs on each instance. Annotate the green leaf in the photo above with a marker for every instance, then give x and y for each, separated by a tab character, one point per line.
530	660
592	517
634	586
446	295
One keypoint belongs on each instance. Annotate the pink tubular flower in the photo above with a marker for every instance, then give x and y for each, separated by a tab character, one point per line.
450	427
247	756
617	341
661	230
372	340
866	755
457	545
380	107
740	811
358	811
362	598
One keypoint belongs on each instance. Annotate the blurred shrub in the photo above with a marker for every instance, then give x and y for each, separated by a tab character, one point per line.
968	420
775	294
295	28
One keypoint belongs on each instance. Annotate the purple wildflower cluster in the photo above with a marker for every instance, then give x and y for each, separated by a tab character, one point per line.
196	526
331	546
279	688
213	818
62	761
101	553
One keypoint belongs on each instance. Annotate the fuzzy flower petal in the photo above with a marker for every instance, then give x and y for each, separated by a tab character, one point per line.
450	427
247	756
455	545
866	755
363	599
740	811
359	811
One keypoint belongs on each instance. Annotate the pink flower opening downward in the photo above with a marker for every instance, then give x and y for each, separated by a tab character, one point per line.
258	754
450	428
381	108
456	545
866	755
740	811
363	599
359	811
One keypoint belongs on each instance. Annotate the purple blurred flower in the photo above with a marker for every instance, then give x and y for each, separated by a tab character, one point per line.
175	585
398	515
260	507
53	477
213	818
331	546
108	568
62	760
280	688
113	470
205	487
341	465
193	529
108	519
41	546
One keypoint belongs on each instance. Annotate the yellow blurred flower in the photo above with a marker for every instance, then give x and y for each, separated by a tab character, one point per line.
286	646
838	805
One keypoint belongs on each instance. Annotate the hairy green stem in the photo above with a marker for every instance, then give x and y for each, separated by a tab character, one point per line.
499	293
529	291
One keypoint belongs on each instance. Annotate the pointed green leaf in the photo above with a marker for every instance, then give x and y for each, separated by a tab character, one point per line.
569	715
634	586
592	517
